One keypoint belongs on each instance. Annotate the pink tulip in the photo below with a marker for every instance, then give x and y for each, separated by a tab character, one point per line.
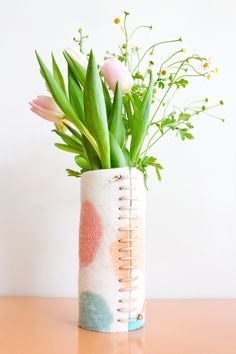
113	71
77	55
45	107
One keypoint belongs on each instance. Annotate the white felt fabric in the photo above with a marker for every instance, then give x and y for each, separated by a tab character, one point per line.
99	281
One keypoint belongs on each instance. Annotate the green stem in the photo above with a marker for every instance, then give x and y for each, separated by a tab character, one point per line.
137	28
213	116
149	145
169	88
152	47
164	62
194	69
194	56
126	39
192	75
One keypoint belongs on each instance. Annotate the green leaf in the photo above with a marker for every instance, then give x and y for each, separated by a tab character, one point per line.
67	148
128	110
73	173
184	116
139	76
95	111
182	82
81	162
73	132
107	98
146	162
168	122
126	155
116	125
117	156
141	124
75	95
69	140
161	85
78	70
137	102
64	104
184	134
57	74
77	100
94	161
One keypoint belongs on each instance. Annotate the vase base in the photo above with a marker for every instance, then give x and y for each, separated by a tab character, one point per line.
132	326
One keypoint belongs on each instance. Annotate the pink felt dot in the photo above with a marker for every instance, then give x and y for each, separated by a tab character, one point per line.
90	233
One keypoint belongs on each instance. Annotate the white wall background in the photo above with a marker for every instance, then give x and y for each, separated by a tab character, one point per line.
191	229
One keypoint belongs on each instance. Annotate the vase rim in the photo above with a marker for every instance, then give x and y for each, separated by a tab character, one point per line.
107	170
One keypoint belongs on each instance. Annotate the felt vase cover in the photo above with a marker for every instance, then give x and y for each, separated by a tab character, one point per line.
111	250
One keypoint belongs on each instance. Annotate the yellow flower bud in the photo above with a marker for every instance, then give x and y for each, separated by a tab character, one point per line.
217	70
117	20
208	76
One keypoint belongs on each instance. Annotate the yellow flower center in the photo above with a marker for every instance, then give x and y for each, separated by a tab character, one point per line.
117	20
206	65
163	72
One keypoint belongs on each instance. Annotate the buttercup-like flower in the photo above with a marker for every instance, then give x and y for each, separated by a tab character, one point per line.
164	73
206	65
114	71
45	107
77	55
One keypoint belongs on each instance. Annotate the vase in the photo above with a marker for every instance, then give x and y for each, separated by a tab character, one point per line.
111	250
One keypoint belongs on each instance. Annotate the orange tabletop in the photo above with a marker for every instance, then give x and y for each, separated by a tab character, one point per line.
49	326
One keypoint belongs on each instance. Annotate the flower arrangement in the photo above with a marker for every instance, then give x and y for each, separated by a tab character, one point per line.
113	115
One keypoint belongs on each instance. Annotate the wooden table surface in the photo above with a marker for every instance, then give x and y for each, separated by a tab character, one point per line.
49	326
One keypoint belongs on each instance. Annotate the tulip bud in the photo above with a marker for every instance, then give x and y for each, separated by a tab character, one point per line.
45	107
77	55
114	71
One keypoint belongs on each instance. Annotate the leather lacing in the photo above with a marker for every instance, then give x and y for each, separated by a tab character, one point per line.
128	245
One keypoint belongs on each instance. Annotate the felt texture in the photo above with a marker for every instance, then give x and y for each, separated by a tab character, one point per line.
90	233
94	314
112	273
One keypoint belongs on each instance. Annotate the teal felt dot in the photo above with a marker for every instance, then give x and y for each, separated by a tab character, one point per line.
94	313
135	325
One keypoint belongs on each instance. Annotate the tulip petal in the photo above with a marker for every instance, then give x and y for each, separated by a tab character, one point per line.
114	71
44	115
49	112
